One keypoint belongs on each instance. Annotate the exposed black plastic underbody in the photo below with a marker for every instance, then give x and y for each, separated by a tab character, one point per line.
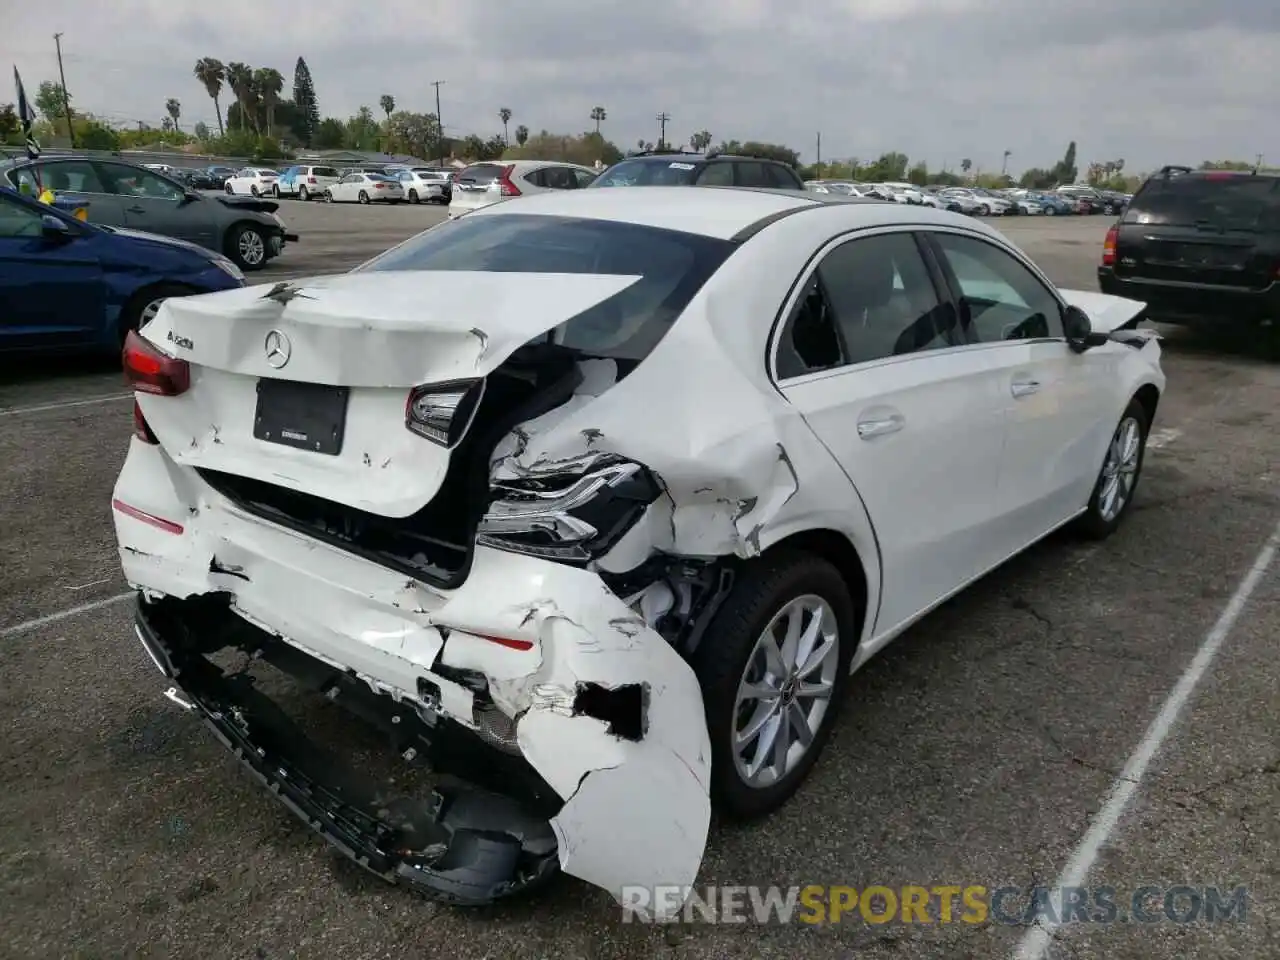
470	841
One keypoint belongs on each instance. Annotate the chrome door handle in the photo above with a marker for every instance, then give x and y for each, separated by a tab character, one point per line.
1024	388
877	428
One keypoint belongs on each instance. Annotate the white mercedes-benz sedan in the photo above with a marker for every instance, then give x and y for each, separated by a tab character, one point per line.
592	501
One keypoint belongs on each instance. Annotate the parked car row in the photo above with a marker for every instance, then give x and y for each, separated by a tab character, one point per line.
122	195
980	201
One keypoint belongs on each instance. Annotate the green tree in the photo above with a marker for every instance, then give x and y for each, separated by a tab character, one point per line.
9	122
201	130
599	115
918	174
173	107
774	151
413	133
362	130
504	115
51	100
388	104
240	80
331	134
584	149
700	140
93	135
966	165
522	135
306	119
889	167
268	83
1066	171
211	72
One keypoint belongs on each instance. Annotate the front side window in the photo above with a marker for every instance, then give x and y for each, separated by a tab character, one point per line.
74	176
670	266
1000	299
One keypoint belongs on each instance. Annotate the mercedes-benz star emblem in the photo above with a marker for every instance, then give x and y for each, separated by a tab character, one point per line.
278	348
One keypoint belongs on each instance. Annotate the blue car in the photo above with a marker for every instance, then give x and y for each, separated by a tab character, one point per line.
68	285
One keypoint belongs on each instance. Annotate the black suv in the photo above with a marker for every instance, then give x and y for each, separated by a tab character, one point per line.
1199	246
698	170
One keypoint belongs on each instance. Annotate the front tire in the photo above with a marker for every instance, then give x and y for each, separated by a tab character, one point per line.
1050	212
227	188
247	246
328	197
1118	479
254	191
413	196
773	666
143	305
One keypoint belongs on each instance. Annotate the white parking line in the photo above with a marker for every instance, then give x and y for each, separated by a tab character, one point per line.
49	618
14	411
1035	944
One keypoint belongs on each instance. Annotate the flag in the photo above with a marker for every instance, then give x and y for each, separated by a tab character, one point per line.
27	116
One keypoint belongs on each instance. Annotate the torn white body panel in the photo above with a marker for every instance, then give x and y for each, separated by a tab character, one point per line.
1105	311
391	632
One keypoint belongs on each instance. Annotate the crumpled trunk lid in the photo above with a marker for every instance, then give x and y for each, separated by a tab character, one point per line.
370	338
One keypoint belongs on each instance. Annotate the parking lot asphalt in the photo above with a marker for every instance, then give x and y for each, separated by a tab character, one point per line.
976	750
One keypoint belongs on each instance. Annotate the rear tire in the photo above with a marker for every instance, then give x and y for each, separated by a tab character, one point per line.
413	196
328	197
1050	212
731	655
1117	482
364	197
303	194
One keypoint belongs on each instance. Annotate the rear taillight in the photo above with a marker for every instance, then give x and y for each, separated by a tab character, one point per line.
141	429
1109	247
508	188
148	370
442	412
379	186
160	523
312	180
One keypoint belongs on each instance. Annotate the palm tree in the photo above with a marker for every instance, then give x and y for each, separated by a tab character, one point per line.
965	164
598	114
388	103
240	80
267	83
174	109
211	73
522	135
504	114
700	140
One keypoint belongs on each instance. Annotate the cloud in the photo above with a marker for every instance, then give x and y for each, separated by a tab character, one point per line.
1152	81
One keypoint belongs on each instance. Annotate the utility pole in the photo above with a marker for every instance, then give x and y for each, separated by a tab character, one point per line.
66	99
439	119
819	163
1258	166
1004	165
662	130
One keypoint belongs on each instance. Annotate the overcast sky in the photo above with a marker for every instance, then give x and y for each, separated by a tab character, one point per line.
1151	81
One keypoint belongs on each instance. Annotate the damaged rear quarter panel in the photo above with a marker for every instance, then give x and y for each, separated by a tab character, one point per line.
740	466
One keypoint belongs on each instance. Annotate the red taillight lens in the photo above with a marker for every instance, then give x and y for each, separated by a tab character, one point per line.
511	643
379	186
160	523
508	188
1109	247
141	429
148	370
312	180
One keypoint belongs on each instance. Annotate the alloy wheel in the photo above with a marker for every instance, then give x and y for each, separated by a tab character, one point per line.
785	691
252	248
1120	469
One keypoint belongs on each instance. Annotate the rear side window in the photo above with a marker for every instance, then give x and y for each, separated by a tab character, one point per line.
785	179
648	173
323	172
670	267
1230	201
481	173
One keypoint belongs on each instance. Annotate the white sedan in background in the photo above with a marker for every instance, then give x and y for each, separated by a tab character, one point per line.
425	184
481	184
365	188
255	181
607	493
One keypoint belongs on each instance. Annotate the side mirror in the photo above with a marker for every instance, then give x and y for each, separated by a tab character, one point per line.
190	196
1079	330
55	230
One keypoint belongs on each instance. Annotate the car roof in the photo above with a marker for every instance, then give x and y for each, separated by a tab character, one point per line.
722	212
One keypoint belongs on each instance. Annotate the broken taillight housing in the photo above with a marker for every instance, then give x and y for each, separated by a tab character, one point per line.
442	412
571	515
148	369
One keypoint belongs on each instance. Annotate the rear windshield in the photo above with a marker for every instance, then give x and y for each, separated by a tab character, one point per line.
671	266
481	173
648	173
1232	201
324	172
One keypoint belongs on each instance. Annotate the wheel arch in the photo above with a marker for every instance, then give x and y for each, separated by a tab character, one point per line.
838	550
1148	395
